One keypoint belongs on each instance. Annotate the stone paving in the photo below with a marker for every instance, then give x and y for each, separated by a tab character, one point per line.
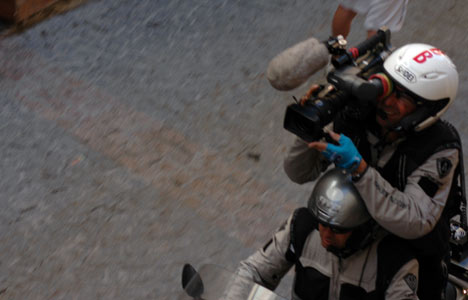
140	135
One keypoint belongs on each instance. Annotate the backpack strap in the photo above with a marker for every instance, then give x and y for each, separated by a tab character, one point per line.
410	155
449	139
392	253
459	179
302	224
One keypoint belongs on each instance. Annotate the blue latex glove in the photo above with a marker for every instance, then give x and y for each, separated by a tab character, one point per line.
345	155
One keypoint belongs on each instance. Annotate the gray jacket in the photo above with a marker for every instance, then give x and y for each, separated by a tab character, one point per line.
408	214
268	265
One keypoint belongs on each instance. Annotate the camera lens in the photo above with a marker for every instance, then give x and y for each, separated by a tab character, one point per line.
307	121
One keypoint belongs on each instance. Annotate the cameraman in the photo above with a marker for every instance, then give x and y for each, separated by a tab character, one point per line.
402	157
338	251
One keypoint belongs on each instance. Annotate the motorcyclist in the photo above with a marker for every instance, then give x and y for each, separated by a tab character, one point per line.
338	251
402	156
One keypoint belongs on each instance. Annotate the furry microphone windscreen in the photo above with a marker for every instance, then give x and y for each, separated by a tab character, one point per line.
295	65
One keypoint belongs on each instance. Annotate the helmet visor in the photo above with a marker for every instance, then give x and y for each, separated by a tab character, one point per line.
335	229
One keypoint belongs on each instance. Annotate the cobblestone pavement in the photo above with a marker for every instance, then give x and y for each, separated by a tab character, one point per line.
140	135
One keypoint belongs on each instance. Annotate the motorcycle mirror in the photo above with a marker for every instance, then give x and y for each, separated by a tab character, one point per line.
191	281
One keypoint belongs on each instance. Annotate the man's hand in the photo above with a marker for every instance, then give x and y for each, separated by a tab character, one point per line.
313	90
345	155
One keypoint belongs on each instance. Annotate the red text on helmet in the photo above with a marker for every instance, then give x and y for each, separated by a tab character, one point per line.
423	56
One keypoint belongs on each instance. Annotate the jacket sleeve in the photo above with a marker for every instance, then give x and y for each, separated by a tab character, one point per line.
404	284
413	212
303	164
268	265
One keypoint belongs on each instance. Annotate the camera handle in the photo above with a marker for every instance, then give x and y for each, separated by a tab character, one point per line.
382	36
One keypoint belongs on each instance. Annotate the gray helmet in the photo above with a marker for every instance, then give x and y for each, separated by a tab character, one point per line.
336	202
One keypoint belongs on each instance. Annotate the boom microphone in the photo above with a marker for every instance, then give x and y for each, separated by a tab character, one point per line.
295	65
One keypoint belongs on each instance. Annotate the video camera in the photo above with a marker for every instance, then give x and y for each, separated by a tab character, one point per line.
351	80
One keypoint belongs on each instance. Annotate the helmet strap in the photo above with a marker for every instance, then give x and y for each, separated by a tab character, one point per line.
408	123
360	238
423	112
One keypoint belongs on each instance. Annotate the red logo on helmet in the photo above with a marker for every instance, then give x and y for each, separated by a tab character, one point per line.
423	56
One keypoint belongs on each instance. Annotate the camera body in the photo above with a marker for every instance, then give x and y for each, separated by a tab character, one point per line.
351	81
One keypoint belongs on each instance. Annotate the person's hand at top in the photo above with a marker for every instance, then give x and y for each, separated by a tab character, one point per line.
344	153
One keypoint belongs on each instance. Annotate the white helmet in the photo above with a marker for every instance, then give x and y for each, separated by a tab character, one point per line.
430	77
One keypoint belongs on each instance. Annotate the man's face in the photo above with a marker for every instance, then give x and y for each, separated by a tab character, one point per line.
331	238
395	107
